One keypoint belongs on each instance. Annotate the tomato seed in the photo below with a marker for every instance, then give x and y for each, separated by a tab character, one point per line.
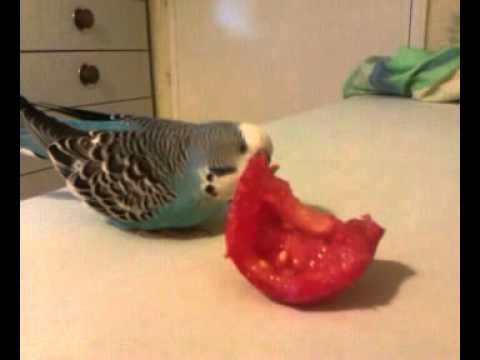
282	256
263	264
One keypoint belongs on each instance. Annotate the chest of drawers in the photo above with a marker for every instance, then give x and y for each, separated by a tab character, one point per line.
64	42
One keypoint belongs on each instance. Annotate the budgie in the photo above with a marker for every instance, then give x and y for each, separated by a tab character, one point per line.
143	173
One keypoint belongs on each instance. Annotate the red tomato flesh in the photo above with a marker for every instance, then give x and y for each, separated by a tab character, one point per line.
290	251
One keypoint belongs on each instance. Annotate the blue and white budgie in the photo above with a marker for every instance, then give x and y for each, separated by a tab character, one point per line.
143	173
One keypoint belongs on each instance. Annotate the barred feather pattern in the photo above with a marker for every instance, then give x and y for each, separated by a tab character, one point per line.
129	173
222	142
124	175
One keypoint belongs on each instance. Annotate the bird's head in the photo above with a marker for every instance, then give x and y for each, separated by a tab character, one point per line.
230	154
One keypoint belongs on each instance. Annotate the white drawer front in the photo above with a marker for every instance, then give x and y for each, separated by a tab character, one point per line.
136	107
54	77
49	25
143	107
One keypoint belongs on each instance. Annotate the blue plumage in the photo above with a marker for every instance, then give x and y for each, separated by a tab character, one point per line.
143	173
28	142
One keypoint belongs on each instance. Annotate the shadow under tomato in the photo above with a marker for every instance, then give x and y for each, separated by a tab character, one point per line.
377	287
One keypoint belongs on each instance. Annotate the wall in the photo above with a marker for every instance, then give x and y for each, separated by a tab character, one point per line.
258	61
439	22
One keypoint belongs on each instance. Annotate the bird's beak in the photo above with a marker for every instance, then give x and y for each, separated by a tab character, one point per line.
266	154
273	167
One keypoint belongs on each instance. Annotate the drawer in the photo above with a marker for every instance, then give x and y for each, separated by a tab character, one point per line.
39	183
49	25
29	164
54	77
142	107
136	107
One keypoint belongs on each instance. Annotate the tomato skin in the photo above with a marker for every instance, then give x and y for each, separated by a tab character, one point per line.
293	253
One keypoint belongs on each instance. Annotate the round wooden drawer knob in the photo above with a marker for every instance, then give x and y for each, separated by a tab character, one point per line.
83	18
89	74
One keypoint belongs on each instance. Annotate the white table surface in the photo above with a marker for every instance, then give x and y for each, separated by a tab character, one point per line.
90	291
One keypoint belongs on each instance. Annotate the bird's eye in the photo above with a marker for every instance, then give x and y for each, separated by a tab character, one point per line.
243	148
222	170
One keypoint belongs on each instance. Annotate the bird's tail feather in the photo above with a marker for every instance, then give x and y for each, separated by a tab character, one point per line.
38	130
30	147
80	114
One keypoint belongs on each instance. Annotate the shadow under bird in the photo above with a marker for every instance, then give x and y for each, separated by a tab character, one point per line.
139	172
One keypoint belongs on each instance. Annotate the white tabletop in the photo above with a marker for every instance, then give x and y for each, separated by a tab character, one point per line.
90	291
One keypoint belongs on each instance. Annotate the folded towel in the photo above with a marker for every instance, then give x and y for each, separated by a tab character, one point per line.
424	75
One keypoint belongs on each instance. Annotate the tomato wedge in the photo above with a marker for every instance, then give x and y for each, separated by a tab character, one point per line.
291	252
